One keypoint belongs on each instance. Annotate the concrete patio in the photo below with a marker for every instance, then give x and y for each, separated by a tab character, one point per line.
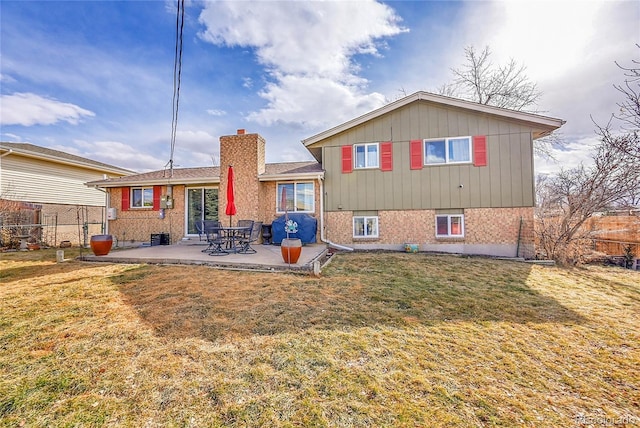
266	258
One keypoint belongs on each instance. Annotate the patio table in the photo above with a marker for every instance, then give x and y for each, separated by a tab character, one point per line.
224	240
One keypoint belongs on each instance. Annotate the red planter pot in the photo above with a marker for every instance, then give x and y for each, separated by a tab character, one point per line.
101	244
291	249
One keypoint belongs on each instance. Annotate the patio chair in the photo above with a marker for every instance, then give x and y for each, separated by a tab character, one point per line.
210	224
245	243
217	244
213	233
200	229
245	223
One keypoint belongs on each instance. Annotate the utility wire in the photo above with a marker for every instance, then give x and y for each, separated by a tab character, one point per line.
177	75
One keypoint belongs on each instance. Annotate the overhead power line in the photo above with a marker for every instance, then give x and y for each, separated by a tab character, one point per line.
177	75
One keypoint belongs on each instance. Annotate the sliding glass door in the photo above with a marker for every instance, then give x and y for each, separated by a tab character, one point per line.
202	204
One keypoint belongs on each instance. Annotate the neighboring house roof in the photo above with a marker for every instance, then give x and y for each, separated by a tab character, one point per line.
33	151
546	124
273	171
292	170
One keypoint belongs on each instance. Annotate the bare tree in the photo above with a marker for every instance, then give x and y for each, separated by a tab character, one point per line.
626	140
627	147
505	86
13	217
567	200
630	89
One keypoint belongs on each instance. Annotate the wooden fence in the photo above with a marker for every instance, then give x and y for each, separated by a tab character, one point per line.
616	248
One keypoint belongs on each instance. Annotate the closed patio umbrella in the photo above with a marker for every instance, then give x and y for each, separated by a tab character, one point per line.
231	204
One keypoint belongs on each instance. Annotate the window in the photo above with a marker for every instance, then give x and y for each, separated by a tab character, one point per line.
300	197
142	197
447	150
366	155
450	225
365	227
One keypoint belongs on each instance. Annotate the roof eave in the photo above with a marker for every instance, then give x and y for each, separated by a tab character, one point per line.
34	155
153	182
317	175
550	122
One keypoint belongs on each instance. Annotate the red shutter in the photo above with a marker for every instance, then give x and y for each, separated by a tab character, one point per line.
157	194
415	154
480	150
347	159
126	193
386	156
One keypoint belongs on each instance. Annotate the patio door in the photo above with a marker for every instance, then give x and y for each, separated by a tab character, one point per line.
202	204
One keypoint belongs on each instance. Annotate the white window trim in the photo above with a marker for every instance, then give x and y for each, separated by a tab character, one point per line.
365	218
366	145
186	202
446	151
295	183
449	216
143	206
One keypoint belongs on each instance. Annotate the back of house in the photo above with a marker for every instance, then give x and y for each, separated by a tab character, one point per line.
445	174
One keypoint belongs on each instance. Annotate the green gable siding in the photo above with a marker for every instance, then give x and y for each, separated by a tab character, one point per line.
507	180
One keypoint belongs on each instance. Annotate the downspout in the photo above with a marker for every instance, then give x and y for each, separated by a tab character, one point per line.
106	208
322	237
6	154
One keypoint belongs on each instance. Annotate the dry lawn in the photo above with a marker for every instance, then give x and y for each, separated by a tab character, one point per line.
385	339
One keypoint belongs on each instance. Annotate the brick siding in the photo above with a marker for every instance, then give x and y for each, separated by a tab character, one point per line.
483	226
137	225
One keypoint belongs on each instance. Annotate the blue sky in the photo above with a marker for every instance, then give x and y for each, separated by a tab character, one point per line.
95	78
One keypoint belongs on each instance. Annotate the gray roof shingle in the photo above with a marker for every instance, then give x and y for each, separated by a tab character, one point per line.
208	174
56	155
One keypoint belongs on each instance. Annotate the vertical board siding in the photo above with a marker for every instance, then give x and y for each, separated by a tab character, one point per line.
497	157
505	168
515	173
506	181
527	171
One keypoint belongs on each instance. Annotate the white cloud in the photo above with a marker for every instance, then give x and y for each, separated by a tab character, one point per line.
313	102
307	48
113	153
216	112
194	139
6	78
195	148
11	137
549	37
569	49
573	154
29	109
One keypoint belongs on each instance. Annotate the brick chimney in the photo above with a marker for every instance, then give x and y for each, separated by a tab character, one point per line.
246	153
